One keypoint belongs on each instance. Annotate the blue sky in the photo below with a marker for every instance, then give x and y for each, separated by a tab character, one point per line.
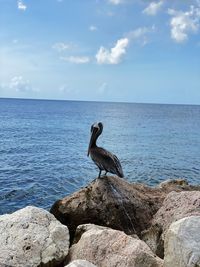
104	50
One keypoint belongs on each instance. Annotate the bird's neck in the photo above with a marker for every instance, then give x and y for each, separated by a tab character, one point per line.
94	144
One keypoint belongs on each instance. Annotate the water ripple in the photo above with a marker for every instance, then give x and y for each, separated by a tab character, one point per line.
43	146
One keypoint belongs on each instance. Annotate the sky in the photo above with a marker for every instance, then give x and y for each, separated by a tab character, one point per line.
101	50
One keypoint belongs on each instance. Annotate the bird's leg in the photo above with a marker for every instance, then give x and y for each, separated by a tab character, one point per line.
105	173
99	173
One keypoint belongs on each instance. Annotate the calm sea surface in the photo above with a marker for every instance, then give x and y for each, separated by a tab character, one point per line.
43	146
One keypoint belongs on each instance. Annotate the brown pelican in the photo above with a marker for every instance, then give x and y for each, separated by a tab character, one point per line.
104	159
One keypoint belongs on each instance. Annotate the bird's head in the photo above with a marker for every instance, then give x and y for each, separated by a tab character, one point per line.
96	130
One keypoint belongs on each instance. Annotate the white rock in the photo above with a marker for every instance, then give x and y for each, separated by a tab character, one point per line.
80	263
30	237
182	243
106	247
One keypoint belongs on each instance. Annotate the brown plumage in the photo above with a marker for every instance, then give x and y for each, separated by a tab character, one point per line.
104	159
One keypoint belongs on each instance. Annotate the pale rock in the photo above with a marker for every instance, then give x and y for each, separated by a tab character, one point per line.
182	243
80	263
106	247
177	205
32	237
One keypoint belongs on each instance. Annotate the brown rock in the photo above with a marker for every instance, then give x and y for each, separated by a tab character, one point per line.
113	202
178	183
110	201
107	247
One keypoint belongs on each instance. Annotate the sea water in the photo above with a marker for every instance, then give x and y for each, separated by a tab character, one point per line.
43	146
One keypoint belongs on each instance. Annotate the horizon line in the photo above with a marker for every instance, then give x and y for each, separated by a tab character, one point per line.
100	101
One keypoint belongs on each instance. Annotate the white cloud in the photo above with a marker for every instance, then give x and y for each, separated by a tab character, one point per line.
76	60
114	56
93	28
184	23
19	84
153	8
140	35
115	2
21	5
59	47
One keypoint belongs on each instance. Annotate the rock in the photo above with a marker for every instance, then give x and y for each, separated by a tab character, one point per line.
106	247
32	237
182	243
80	263
152	237
176	205
178	183
112	202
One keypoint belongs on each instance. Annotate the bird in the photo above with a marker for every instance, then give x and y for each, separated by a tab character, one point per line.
105	160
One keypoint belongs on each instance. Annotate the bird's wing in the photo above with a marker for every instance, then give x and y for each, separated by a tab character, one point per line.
110	162
118	165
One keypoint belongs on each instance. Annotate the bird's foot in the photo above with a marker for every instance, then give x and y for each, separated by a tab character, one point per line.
102	176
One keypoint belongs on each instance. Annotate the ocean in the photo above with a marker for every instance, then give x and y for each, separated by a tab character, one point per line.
43	146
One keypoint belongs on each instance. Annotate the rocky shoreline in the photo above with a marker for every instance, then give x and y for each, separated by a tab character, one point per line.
108	223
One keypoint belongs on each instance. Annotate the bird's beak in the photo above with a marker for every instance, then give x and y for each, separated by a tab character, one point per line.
92	138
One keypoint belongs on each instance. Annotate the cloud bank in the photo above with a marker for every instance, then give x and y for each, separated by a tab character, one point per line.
19	84
184	23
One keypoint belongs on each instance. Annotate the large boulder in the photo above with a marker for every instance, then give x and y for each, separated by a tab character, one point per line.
182	243
32	237
80	263
113	202
107	247
176	205
110	201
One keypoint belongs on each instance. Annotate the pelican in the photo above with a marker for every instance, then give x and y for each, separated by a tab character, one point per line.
105	160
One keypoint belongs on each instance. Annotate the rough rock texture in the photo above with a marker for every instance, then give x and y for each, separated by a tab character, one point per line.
80	263
106	247
130	205
176	205
32	237
111	201
182	243
152	237
176	184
